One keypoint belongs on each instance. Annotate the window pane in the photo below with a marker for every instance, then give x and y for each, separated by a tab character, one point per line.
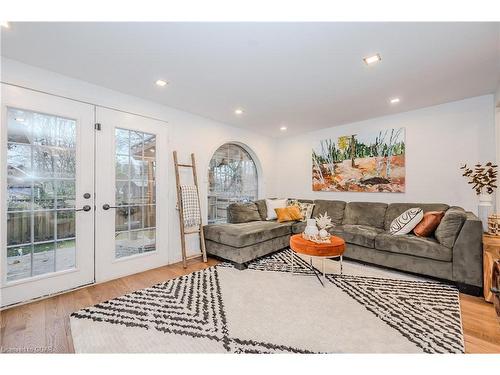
122	167
65	224
19	194
44	195
18	126
122	142
18	160
18	262
43	162
18	228
64	163
232	177
66	194
65	255
149	216
121	219
136	217
43	258
43	226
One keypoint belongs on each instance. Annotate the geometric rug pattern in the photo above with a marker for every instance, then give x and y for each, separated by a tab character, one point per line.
196	313
425	312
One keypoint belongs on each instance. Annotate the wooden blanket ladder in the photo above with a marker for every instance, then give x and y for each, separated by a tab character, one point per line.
193	230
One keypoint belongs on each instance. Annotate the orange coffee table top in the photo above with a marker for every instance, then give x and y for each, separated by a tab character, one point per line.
335	248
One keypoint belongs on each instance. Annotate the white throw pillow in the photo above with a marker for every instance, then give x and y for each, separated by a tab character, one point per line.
271	204
405	222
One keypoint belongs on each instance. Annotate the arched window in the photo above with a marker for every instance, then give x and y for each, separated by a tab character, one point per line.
232	177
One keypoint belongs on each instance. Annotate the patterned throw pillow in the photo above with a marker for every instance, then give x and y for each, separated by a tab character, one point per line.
405	222
305	208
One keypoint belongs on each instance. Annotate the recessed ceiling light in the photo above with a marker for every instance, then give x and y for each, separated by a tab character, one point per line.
5	24
394	100
372	59
238	111
19	119
283	128
161	82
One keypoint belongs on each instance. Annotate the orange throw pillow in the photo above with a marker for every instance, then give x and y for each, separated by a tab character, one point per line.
289	213
428	224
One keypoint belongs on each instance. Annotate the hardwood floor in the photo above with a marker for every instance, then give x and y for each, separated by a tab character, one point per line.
43	326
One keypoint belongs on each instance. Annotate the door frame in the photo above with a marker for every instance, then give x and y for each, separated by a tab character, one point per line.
107	267
19	291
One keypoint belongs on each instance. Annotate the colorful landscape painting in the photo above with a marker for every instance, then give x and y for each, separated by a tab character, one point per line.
365	162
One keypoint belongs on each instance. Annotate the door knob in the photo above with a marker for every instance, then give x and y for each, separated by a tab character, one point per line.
107	206
85	208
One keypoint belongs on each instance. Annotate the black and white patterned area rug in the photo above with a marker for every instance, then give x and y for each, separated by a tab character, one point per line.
266	309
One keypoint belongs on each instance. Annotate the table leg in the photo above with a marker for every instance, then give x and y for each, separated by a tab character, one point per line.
341	265
292	260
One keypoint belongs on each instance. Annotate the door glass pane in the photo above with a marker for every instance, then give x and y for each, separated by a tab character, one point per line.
135	192
41	164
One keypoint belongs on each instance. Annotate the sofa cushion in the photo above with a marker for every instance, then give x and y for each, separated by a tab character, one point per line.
396	209
262	208
365	213
246	234
242	213
298	227
334	209
361	235
449	227
413	245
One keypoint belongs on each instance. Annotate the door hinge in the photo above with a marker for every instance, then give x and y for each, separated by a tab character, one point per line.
97	126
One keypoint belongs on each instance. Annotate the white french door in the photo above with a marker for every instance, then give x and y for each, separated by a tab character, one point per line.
131	213
47	186
78	205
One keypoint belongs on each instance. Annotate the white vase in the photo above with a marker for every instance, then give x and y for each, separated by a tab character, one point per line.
485	209
311	228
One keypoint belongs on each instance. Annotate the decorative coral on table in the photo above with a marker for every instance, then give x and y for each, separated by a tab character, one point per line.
324	221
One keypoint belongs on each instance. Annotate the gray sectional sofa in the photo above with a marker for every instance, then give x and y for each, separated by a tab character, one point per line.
453	254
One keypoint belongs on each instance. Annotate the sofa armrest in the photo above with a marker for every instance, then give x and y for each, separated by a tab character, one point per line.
468	253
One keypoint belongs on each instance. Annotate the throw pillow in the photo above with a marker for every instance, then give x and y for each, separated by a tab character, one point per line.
405	222
450	226
305	208
289	213
242	213
428	224
271	204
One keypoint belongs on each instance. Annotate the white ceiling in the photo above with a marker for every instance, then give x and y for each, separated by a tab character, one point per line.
302	75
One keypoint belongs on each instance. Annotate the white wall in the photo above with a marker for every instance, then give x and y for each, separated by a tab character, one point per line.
438	140
187	133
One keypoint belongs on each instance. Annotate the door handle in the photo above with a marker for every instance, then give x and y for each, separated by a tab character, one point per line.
85	208
107	206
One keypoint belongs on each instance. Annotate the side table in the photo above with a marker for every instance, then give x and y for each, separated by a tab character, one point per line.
491	253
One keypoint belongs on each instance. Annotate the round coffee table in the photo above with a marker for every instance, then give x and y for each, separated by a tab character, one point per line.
334	249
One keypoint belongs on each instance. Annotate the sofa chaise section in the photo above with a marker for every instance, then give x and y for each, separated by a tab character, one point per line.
243	242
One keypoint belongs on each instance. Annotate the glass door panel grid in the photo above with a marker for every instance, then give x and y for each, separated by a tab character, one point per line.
41	163
135	192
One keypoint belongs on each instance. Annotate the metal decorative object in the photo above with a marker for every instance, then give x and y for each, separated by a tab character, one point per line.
316	238
494	225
